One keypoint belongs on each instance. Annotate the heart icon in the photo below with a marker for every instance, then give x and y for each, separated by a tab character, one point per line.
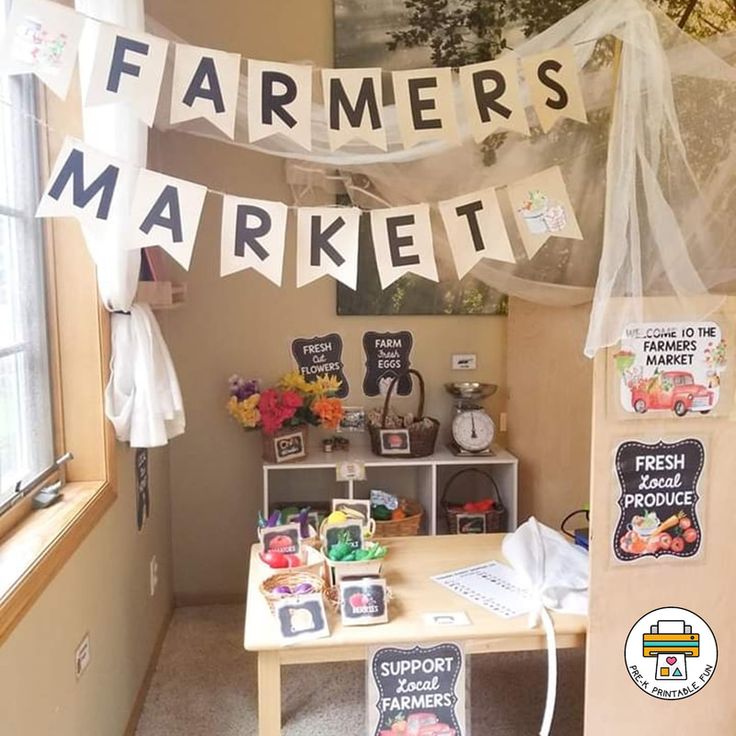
671	660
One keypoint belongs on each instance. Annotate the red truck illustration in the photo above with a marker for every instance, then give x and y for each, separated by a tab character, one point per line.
675	390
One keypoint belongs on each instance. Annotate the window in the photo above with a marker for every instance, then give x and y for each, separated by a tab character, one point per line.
26	433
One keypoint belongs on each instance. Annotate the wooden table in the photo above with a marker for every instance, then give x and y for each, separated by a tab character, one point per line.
410	564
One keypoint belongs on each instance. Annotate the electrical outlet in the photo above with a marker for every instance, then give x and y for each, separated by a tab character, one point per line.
153	575
503	422
464	361
82	656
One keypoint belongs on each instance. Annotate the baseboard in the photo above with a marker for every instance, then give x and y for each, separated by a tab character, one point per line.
208	599
140	697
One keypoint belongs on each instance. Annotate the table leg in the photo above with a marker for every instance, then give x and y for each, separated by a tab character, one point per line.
269	694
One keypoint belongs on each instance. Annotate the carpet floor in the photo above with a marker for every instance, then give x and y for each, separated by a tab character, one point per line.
205	685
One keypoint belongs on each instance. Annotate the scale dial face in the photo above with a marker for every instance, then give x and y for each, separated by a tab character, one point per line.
473	430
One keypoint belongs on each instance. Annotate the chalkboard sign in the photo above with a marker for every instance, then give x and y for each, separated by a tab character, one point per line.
387	355
658	499
416	688
321	356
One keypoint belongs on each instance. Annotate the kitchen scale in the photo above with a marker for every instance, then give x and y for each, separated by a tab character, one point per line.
472	429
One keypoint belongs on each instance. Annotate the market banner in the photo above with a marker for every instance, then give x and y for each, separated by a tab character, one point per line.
353	105
542	208
425	105
42	38
166	212
87	185
402	242
253	235
128	67
205	85
554	86
475	230
492	97
327	241
280	101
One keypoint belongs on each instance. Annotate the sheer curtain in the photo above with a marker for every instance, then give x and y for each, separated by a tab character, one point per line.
142	400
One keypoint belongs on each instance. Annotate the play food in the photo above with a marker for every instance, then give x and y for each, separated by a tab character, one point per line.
337	517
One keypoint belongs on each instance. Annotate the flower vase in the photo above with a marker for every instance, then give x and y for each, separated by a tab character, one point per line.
286	445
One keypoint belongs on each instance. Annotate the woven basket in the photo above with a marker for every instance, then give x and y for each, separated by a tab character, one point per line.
422	439
292	579
406	527
495	518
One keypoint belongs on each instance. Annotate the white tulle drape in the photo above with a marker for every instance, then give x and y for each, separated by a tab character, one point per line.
652	176
142	398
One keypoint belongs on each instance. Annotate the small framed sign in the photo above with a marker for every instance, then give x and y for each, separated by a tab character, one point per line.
363	601
289	447
284	539
350	470
471	523
353	419
361	505
302	618
350	532
395	442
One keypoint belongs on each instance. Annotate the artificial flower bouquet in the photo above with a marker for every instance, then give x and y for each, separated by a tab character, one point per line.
285	410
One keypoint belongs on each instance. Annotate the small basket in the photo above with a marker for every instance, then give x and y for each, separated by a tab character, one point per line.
312	563
422	439
292	579
406	527
495	519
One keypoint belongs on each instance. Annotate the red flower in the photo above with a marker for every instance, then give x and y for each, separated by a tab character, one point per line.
277	408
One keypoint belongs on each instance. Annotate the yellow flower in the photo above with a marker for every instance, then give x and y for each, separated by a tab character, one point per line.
294	381
325	385
245	412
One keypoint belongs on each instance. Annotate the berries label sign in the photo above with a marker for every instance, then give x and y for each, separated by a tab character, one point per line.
363	601
671	366
416	690
387	355
659	498
321	356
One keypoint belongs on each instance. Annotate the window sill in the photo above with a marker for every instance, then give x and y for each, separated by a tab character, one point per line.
37	548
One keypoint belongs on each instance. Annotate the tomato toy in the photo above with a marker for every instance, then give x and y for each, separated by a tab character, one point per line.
275	559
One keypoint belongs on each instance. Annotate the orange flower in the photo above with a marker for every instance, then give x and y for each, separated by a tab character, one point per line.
329	411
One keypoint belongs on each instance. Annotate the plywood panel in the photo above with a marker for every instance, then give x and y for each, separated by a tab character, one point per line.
620	594
549	408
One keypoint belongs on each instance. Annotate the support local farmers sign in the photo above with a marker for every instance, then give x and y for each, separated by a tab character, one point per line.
658	499
671	366
416	689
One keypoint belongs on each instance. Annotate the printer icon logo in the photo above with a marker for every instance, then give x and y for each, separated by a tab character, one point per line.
671	653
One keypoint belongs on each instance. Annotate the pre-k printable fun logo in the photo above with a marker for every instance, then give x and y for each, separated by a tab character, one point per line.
671	653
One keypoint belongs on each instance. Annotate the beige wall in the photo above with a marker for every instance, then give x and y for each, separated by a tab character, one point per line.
104	590
244	324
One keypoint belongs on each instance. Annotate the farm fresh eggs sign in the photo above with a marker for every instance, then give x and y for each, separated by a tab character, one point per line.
671	366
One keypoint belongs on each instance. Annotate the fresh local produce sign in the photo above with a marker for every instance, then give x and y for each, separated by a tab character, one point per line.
416	690
658	499
671	366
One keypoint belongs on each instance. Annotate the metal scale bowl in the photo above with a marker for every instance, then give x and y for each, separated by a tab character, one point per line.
472	428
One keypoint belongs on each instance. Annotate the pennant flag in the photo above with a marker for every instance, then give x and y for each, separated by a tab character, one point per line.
42	38
128	67
166	212
402	241
353	104
493	98
86	184
475	230
542	208
253	236
327	244
205	85
425	105
280	101
554	86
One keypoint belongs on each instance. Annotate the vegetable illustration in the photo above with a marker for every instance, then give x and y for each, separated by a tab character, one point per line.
280	543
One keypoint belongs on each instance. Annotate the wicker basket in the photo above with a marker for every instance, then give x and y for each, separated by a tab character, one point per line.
406	527
293	451
422	439
292	579
495	519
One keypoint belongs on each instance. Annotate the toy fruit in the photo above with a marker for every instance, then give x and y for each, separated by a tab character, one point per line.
282	590
398	514
337	517
380	513
275	559
304	588
294	560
